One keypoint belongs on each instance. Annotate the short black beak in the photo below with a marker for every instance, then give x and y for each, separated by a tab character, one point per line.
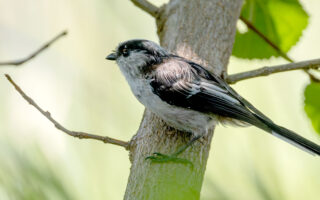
111	56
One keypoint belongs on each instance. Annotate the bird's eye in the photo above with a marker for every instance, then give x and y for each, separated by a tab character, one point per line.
125	52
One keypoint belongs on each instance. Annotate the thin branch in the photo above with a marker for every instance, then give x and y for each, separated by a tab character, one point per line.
265	71
34	54
80	135
275	47
265	38
146	6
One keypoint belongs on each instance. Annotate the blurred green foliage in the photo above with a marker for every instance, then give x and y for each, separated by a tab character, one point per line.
312	104
281	21
22	177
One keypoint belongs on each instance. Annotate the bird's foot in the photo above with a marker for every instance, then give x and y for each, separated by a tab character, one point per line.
162	158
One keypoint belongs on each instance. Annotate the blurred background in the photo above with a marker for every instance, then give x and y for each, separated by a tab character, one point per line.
85	92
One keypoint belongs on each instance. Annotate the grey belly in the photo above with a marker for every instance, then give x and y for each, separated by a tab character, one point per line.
186	119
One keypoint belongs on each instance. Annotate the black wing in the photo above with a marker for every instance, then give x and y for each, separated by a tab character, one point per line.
207	75
185	84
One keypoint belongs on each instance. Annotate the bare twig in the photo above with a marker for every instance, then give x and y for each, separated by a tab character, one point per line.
80	135
146	6
275	47
265	71
34	54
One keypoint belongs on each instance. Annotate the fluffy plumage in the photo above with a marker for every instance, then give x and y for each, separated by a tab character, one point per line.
187	96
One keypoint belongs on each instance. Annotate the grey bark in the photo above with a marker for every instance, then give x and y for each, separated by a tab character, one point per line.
202	31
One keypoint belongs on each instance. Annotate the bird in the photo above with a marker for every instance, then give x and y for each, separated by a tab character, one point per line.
188	97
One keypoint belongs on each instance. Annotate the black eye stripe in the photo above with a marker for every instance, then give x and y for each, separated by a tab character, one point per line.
135	46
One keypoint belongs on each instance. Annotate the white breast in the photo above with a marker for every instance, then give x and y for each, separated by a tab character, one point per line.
180	118
177	117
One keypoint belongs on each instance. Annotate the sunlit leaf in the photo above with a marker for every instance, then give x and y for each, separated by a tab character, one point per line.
281	21
312	104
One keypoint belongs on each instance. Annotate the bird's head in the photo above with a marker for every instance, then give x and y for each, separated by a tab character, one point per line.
138	56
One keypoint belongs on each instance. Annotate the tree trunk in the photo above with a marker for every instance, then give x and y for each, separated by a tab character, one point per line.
202	31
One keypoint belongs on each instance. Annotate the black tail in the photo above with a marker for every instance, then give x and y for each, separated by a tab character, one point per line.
290	137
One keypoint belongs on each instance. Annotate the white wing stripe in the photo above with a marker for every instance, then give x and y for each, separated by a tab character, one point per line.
213	90
212	86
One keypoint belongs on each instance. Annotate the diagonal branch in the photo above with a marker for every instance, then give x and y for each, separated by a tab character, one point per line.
274	46
265	38
80	135
146	6
265	71
34	54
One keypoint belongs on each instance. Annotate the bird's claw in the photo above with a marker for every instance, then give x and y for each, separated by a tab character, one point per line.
161	158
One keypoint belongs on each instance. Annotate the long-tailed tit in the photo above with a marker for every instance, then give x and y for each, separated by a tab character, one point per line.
188	97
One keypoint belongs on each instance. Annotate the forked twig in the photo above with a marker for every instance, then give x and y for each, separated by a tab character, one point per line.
264	71
77	134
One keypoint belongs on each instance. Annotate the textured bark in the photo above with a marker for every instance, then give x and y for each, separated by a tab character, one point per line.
202	31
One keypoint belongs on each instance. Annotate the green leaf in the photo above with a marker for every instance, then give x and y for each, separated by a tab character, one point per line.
312	104
281	21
